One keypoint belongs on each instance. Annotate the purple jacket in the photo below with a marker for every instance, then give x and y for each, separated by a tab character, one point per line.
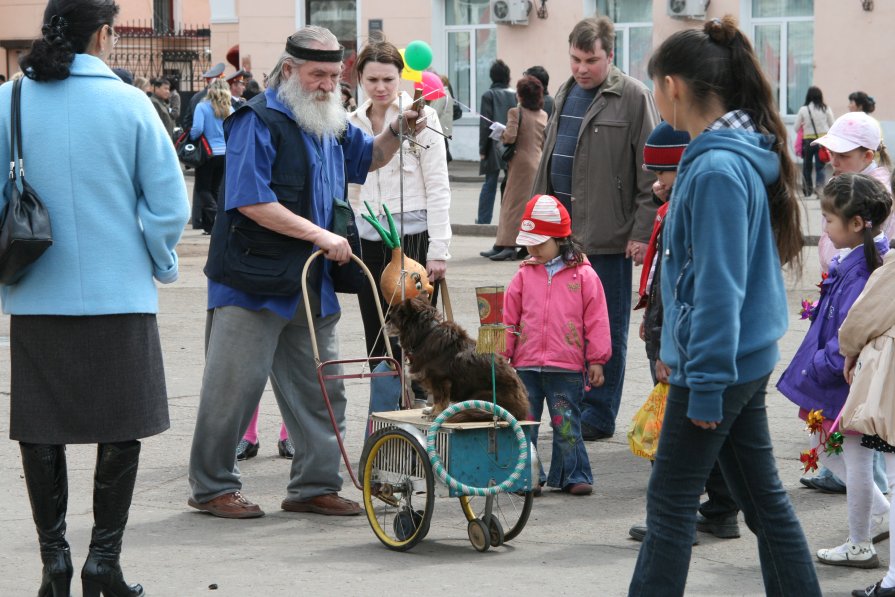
814	379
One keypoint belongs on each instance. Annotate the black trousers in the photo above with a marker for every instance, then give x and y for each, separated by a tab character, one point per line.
209	177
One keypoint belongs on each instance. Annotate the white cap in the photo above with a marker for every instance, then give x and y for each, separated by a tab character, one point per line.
850	131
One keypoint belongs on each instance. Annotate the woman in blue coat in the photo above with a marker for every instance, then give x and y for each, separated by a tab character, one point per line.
84	345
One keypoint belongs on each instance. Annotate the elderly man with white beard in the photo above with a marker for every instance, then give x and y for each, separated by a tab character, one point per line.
290	151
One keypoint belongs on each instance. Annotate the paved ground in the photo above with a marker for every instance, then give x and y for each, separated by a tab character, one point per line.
570	546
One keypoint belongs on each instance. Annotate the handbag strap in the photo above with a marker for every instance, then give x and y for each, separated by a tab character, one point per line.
15	131
812	119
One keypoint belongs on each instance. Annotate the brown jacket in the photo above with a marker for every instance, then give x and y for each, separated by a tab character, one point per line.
869	332
611	193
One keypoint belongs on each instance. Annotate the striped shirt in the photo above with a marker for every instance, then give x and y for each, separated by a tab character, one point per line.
574	108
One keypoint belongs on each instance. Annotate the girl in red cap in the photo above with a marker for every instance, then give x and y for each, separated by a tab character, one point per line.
558	335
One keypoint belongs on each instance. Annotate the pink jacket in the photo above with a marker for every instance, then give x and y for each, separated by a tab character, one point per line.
560	323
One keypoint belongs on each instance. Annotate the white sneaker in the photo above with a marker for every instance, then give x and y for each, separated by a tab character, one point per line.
879	527
855	555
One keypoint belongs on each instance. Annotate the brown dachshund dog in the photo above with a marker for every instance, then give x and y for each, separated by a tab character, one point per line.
444	362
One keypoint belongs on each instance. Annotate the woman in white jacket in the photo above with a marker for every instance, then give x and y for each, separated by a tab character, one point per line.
423	216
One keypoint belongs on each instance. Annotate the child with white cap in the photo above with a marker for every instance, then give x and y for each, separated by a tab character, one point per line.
853	141
558	335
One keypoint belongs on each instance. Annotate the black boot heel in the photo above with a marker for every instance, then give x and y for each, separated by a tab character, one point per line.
57	573
103	577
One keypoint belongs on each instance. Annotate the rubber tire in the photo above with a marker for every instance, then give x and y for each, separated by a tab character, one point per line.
516	527
372	447
479	534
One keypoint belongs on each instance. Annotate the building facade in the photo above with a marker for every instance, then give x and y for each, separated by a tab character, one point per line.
839	45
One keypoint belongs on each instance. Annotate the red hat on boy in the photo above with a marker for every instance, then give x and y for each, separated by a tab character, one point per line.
544	218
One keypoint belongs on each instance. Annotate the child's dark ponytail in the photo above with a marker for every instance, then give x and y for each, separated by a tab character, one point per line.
719	62
849	195
67	28
571	250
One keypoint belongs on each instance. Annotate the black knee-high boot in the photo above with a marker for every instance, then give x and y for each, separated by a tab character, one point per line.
113	488
47	481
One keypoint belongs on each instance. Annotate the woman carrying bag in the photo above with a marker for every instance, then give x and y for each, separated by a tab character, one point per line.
86	360
814	118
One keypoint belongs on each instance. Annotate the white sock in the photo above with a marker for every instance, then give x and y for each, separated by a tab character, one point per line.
855	467
889	580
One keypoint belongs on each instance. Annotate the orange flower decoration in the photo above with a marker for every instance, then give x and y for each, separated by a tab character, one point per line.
814	422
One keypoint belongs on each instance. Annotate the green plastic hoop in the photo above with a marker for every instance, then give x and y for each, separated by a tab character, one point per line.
438	467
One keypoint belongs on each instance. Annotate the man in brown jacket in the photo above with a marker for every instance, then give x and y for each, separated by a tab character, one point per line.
591	162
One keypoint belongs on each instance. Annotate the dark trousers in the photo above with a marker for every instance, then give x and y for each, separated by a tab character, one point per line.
810	162
487	196
600	405
205	192
742	445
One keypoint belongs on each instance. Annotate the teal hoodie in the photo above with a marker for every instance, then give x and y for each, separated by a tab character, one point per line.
722	286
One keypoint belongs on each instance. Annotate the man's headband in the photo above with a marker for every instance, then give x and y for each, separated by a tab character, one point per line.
313	55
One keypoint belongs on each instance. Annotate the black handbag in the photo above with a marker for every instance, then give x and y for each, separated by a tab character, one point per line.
348	278
509	150
192	152
25	231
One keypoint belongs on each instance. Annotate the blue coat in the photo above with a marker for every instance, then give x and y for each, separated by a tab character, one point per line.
722	290
100	159
814	379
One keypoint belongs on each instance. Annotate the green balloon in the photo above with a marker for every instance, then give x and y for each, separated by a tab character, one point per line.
418	55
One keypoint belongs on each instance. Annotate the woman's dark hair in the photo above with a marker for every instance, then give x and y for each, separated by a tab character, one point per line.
530	92
500	72
864	102
571	250
849	195
379	50
540	73
67	28
719	62
159	82
815	96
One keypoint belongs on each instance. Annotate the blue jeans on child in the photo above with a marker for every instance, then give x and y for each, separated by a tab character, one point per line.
742	445
563	391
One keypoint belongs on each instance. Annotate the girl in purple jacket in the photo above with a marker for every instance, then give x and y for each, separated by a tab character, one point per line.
854	207
558	335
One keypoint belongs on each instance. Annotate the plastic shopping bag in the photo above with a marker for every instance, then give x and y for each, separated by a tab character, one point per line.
647	423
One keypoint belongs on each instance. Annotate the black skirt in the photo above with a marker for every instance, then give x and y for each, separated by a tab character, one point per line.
81	380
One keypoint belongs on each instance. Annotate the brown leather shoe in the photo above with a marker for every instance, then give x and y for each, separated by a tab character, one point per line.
329	504
579	489
229	505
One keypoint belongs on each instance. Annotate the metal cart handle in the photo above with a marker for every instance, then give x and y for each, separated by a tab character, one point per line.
304	294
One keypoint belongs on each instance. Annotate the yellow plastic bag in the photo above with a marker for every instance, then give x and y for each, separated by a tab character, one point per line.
647	423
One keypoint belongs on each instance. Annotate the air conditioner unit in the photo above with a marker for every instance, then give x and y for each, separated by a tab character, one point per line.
510	12
687	9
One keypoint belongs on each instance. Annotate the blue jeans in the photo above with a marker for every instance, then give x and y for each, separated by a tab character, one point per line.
563	391
601	404
742	445
486	198
810	162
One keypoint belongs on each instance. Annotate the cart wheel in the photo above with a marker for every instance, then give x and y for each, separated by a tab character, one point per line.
495	530
510	509
479	535
399	488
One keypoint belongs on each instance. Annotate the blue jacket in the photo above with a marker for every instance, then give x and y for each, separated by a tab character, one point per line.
205	122
101	161
814	379
722	287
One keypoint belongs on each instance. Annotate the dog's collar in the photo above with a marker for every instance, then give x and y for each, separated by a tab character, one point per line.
409	352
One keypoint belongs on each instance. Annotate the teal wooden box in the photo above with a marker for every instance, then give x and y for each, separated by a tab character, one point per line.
472	453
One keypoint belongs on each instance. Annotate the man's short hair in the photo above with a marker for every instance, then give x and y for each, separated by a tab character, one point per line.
589	31
160	82
500	72
539	73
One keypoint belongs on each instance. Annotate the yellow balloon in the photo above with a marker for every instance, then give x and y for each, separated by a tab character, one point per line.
408	73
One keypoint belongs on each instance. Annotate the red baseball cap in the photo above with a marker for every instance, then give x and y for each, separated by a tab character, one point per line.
544	218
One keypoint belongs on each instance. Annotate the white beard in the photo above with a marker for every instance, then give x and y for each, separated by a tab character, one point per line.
317	112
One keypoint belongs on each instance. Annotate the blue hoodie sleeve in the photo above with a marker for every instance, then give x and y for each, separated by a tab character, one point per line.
719	205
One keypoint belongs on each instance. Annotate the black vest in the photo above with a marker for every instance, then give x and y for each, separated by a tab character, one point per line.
247	256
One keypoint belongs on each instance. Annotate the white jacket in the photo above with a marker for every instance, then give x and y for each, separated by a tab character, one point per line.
426	186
